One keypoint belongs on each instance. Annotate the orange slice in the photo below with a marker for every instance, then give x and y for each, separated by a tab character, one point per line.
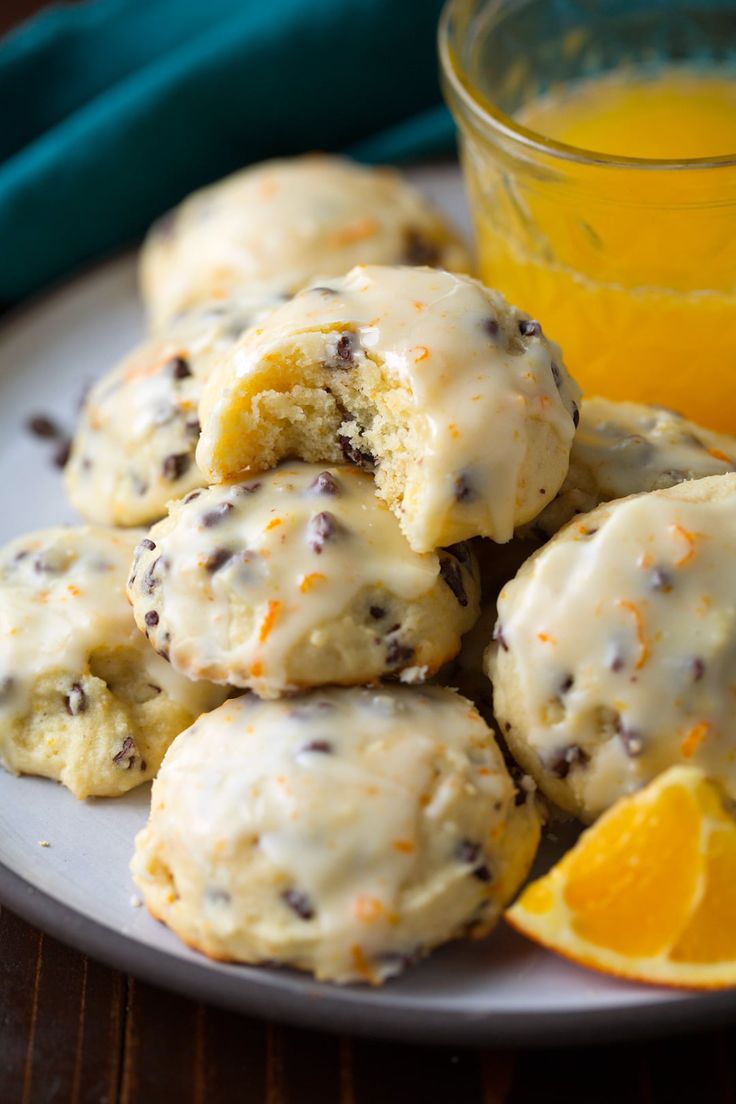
649	892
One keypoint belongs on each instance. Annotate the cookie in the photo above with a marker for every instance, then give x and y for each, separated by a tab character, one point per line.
83	698
455	398
285	222
615	647
133	450
299	578
346	832
624	448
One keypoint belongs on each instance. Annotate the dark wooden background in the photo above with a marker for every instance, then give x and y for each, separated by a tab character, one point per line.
72	1030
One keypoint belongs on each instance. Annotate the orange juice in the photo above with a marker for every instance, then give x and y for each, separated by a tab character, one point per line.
630	265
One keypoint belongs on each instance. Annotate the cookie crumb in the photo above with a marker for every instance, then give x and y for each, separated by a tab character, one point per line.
44	843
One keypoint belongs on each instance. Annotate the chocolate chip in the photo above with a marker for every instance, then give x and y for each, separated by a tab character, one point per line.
575	415
451	572
529	328
491	327
660	579
463	488
176	465
299	903
62	453
146	544
556	374
377	612
344	348
179	368
151	618
323	747
566	684
248	488
76	700
398	653
468	852
193	427
617	662
354	455
697	666
41	426
499	637
560	762
216	515
217	559
325	484
418	249
322	528
149	582
126	756
191	496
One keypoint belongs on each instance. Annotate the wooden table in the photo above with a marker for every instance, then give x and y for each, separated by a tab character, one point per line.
72	1030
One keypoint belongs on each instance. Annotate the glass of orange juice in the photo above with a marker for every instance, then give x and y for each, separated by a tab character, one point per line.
598	140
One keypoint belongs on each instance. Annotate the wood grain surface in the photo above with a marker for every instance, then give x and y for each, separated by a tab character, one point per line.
74	1031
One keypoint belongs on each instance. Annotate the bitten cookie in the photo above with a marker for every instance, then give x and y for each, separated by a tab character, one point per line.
615	647
285	222
624	448
456	398
299	578
83	698
134	446
346	832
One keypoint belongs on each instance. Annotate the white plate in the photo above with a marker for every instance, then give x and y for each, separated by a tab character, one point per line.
79	888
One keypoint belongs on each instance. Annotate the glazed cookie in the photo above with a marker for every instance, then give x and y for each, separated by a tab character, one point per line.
346	832
456	398
138	430
285	222
624	448
83	698
299	578
615	647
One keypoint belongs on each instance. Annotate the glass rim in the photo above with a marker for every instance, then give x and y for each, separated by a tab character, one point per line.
504	125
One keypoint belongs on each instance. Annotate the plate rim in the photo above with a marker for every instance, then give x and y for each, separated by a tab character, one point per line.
298	999
302	1001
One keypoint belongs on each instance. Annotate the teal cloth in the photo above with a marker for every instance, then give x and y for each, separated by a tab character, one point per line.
113	110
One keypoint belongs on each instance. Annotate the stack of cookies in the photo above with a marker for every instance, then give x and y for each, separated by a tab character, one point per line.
343	448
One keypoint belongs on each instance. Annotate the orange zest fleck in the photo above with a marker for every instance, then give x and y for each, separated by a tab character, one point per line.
268	622
404	846
633	609
422	353
273	524
367	909
454	431
74	590
694	739
256	669
546	638
308	581
718	455
689	539
362	966
355	231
